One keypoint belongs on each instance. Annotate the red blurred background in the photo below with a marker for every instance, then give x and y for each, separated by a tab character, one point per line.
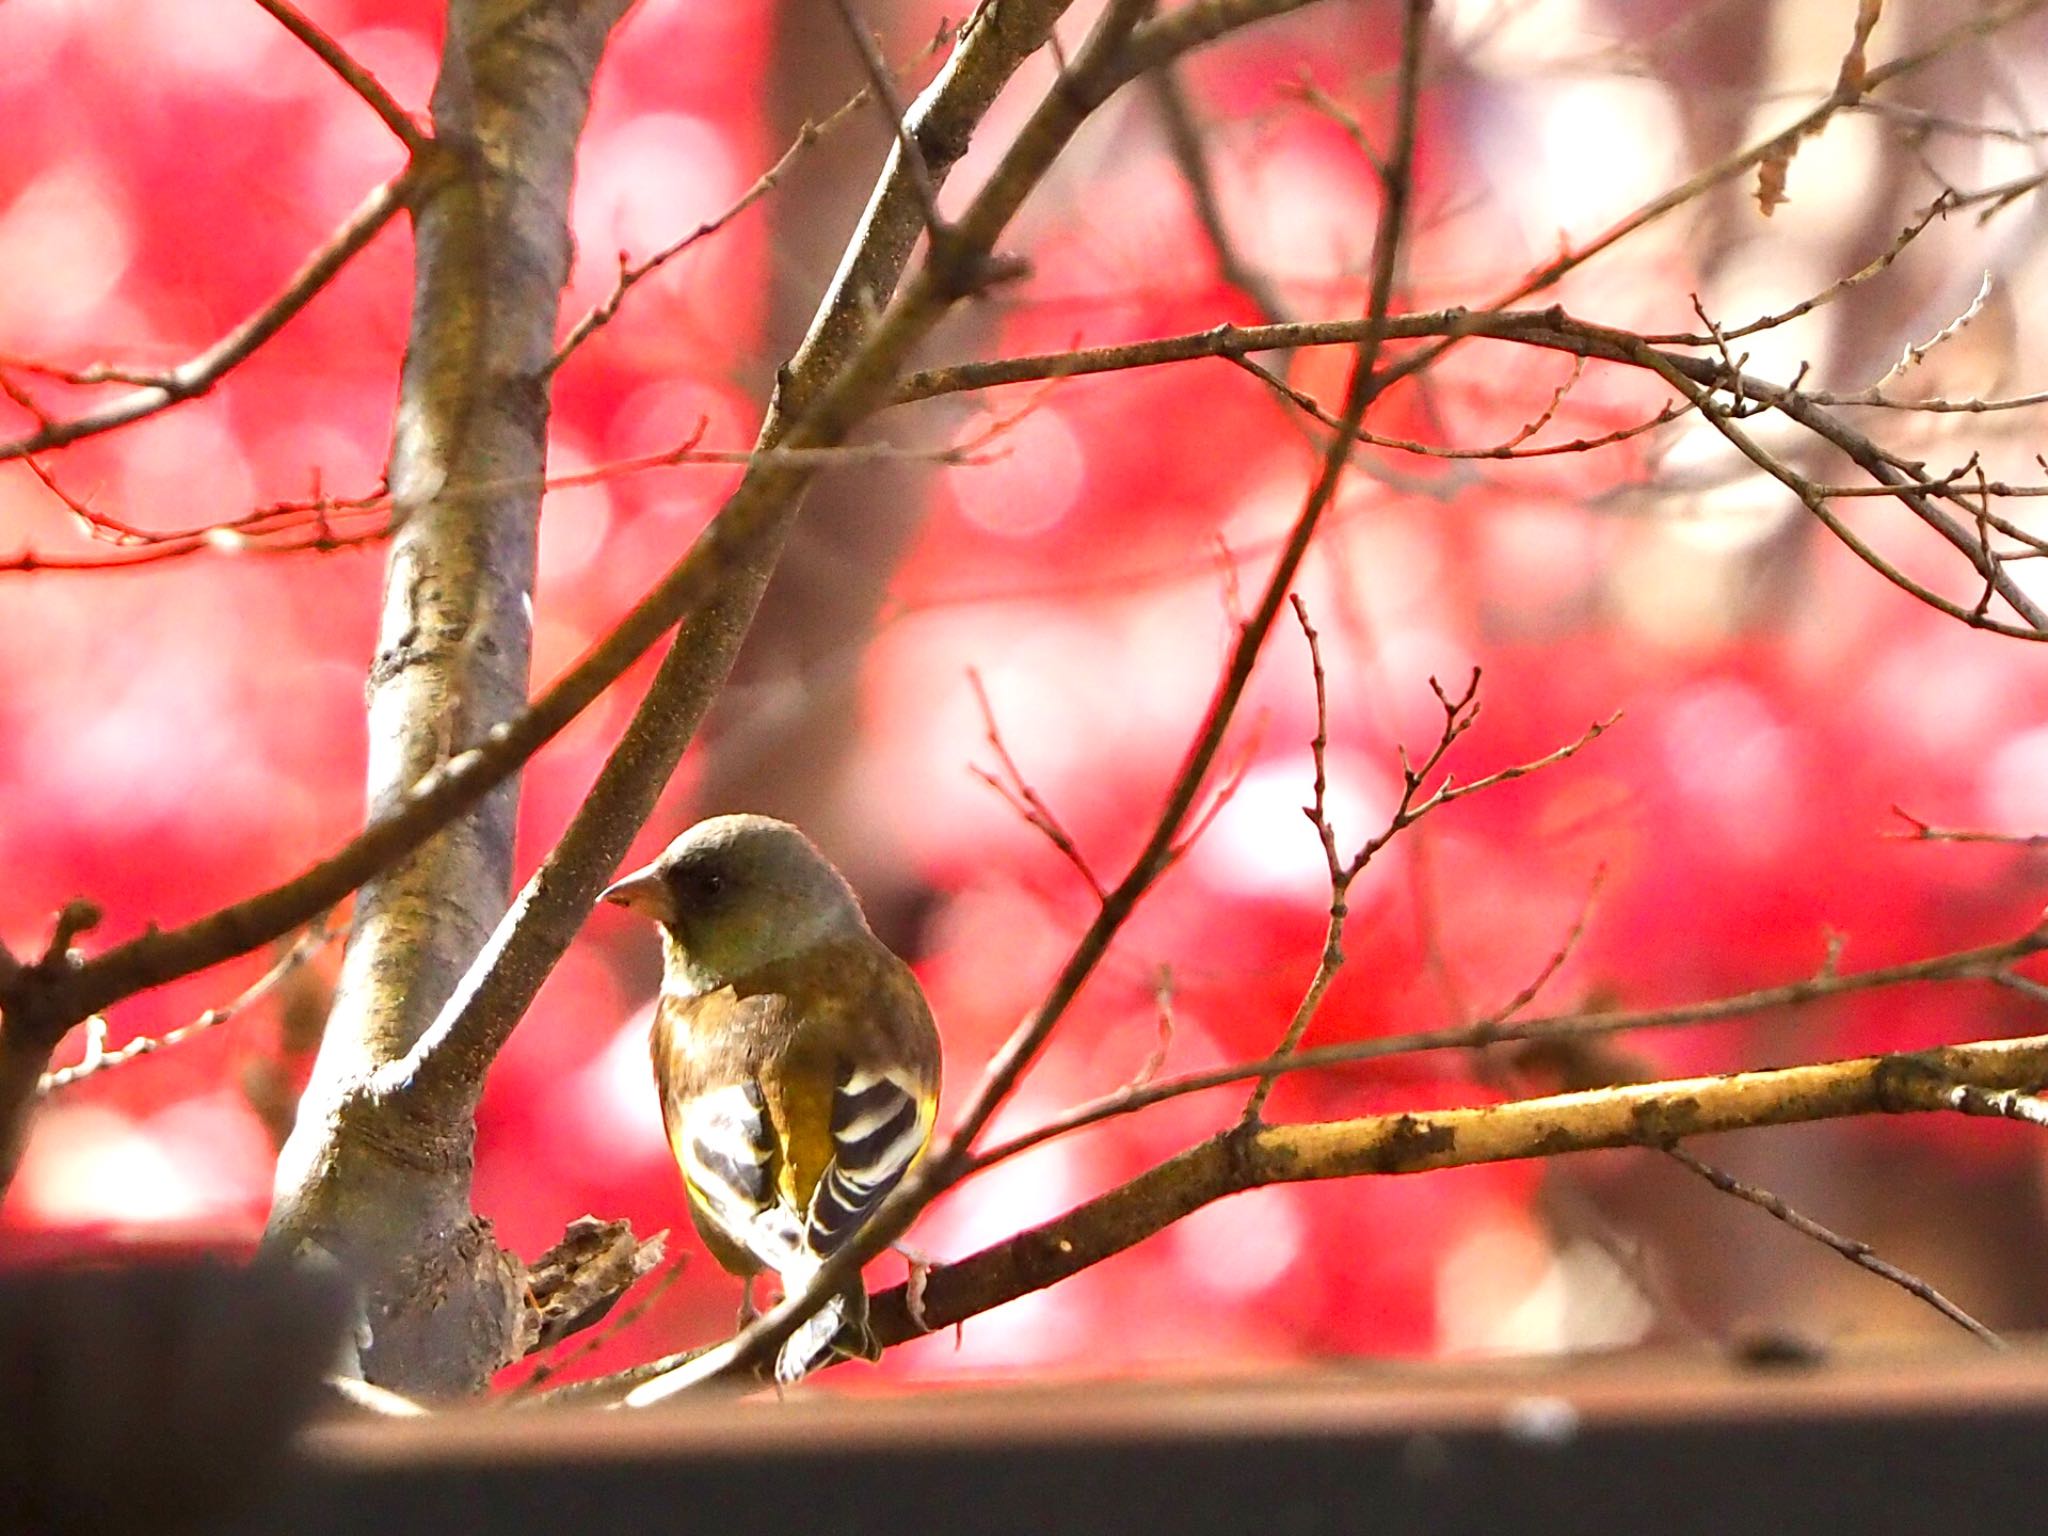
174	736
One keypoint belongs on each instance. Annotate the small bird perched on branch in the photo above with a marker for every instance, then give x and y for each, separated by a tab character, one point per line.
796	1059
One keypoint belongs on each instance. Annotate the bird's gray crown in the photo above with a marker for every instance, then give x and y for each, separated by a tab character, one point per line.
748	890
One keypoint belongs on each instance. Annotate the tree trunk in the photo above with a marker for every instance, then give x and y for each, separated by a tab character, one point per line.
384	1187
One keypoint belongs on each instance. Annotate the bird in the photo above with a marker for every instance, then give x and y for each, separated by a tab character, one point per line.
795	1056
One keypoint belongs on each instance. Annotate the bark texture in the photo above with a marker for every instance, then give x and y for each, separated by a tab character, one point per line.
381	1184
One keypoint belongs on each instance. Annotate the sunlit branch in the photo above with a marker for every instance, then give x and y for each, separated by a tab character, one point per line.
2022	1105
1932	405
1644	1114
1640	1115
1987	963
283	527
32	562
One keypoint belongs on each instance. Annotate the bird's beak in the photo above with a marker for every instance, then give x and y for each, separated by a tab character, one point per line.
644	891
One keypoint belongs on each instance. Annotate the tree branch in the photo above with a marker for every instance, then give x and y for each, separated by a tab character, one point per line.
1116	51
1695	378
632	273
97	1060
190	379
1855	1251
450	1064
1989	962
1241	1159
1642	1114
352	74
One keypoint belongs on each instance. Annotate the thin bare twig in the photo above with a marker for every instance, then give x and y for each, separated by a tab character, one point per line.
633	273
1877	265
1917	352
1918	831
1191	156
1199	822
1556	961
1854	1250
1512	447
97	1059
160	391
1011	784
1155	1062
357	78
882	89
1304	89
1332	957
1460	713
291	527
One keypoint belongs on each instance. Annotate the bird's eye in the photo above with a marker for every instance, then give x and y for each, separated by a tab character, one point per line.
712	883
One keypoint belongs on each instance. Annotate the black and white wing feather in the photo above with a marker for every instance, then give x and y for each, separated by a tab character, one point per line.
881	1118
728	1153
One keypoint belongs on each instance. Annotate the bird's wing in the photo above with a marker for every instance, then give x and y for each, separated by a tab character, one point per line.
798	1097
881	1120
885	1084
728	1156
720	1127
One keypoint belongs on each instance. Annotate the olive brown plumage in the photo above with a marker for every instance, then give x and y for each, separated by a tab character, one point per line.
796	1059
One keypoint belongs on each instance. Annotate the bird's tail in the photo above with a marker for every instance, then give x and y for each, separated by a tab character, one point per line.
839	1328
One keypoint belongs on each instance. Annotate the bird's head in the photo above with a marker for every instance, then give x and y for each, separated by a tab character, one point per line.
736	892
